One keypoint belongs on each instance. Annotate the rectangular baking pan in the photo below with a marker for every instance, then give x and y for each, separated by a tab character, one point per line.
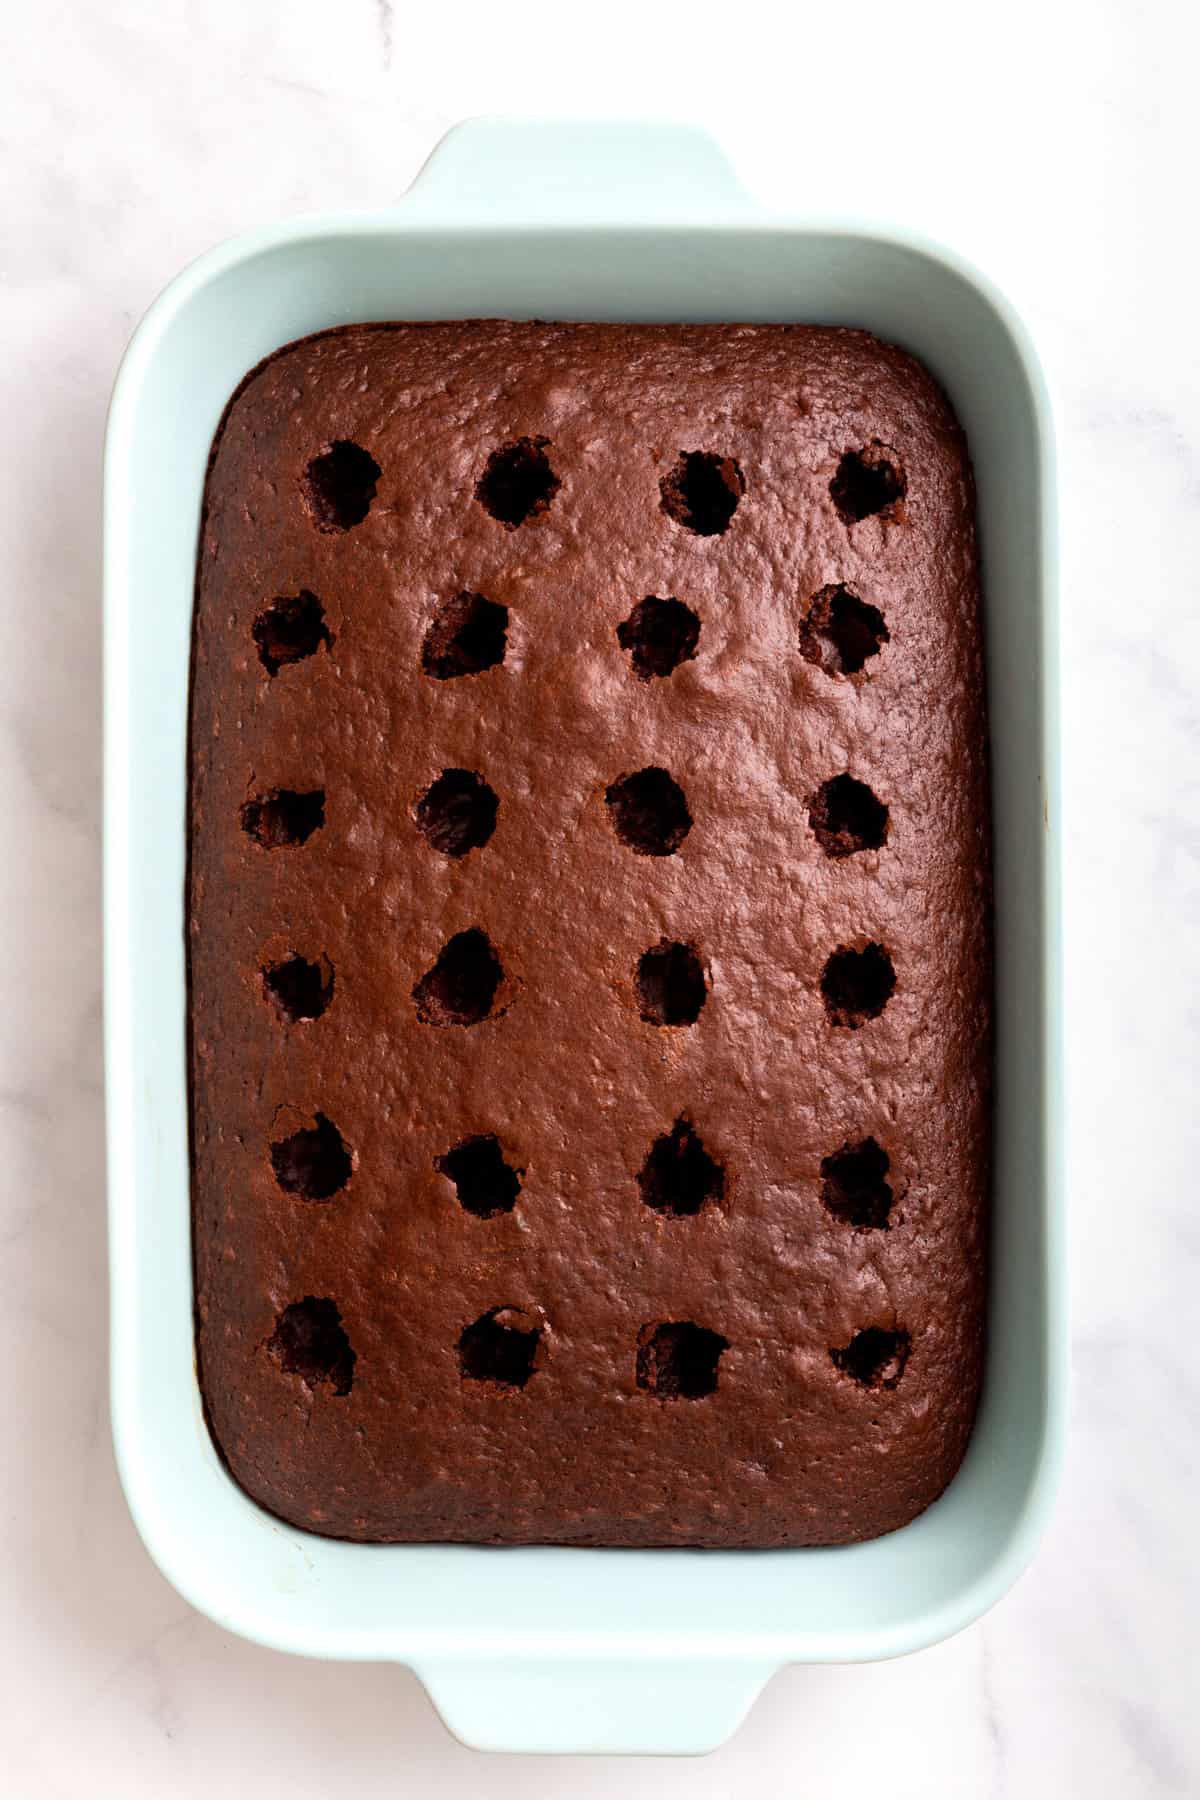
557	1649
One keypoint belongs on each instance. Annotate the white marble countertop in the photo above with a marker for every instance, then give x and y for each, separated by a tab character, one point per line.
1056	145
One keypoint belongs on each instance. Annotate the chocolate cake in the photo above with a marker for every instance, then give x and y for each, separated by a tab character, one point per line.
589	935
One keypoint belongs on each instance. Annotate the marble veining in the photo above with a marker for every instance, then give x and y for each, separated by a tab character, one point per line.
1057	151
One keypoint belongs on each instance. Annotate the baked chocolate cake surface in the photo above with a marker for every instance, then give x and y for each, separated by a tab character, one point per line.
589	935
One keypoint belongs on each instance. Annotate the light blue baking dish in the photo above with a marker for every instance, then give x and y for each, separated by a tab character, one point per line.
563	1649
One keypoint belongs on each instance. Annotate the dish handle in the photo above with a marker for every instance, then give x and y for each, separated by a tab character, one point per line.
611	1707
571	172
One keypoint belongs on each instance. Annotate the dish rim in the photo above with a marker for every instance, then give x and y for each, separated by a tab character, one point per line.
730	216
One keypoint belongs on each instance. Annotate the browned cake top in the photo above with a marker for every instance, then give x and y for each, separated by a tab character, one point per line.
589	935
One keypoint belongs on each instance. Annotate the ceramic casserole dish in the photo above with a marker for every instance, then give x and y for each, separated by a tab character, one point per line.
559	1649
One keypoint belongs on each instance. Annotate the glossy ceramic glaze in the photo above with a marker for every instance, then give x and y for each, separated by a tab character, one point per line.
560	1649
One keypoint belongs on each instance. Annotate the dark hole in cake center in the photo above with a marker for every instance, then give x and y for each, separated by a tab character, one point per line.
517	482
283	816
313	1162
461	987
840	632
659	635
339	485
467	635
701	491
300	989
290	629
857	984
867	481
670	984
679	1176
677	1360
874	1357
457	813
846	817
649	812
484	1182
310	1341
499	1348
856	1189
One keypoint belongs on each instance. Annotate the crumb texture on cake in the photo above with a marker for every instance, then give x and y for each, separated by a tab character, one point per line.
589	936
